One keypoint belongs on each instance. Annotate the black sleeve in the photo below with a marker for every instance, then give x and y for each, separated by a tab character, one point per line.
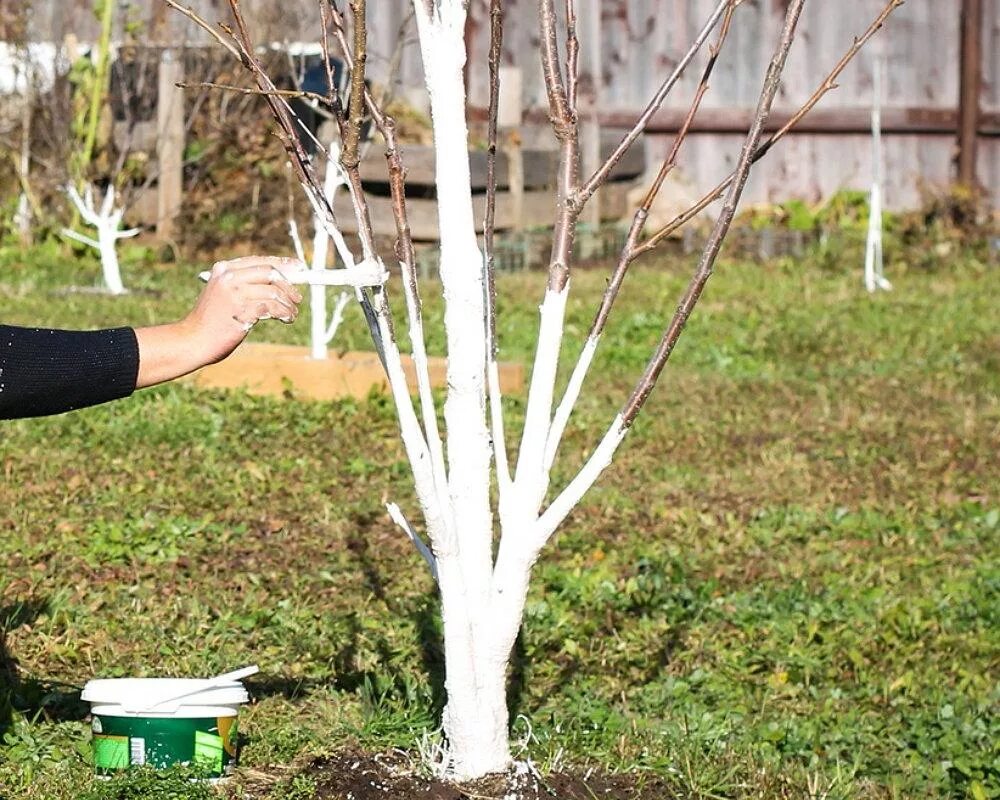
50	371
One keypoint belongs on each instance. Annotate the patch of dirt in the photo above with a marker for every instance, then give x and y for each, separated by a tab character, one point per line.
351	776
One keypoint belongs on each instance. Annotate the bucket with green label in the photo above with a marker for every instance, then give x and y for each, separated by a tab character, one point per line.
162	722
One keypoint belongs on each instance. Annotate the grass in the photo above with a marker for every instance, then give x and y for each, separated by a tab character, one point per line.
786	585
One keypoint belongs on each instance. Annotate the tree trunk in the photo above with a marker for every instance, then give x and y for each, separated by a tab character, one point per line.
475	718
108	239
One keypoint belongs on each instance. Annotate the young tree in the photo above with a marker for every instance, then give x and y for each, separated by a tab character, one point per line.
481	556
107	219
320	332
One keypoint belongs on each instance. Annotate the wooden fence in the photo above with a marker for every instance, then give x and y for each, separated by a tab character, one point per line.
637	41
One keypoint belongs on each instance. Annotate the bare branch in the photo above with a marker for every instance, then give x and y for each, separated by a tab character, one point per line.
205	26
626	257
489	265
602	455
829	84
225	87
572	55
356	104
721	227
560	111
332	90
599	177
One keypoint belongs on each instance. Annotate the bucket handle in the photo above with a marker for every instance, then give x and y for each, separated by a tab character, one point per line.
209	683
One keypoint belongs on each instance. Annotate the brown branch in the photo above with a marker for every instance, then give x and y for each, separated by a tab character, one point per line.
572	55
279	107
829	84
564	124
671	160
225	87
630	249
489	223
332	90
714	244
356	104
601	175
207	27
358	101
560	111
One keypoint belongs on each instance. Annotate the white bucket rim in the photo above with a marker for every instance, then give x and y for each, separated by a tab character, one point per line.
177	712
135	693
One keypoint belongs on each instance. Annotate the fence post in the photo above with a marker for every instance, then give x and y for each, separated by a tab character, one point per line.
970	89
169	144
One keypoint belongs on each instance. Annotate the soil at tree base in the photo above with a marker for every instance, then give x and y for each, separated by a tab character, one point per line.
358	776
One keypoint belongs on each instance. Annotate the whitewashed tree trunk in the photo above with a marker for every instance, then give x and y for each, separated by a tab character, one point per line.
475	719
322	333
106	220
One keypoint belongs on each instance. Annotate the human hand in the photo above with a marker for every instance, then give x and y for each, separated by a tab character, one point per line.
240	293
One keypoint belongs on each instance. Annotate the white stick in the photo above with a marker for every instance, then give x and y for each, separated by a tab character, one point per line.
874	278
365	274
423	549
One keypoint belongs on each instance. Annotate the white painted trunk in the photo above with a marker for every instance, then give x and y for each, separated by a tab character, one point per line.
107	221
475	719
108	240
319	333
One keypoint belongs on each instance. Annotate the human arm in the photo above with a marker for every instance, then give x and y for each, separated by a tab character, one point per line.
46	371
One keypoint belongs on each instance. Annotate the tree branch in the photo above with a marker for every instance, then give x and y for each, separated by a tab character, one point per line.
205	26
489	265
397	516
627	256
829	84
602	455
572	56
721	227
599	177
356	104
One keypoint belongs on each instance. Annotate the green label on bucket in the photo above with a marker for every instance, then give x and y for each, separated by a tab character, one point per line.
111	752
208	750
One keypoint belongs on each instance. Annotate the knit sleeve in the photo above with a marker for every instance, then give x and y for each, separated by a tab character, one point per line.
51	371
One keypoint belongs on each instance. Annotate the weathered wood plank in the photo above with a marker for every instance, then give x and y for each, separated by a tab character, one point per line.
539	166
538	211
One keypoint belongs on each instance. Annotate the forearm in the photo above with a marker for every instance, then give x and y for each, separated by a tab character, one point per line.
167	352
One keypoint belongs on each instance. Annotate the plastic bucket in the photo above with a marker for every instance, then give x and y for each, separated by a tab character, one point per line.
164	721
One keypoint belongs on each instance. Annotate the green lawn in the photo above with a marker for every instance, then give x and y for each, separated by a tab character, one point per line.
789	579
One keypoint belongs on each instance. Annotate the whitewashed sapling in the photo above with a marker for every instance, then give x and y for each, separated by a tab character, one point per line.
482	595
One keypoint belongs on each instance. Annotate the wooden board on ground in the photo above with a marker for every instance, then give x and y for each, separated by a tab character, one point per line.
273	369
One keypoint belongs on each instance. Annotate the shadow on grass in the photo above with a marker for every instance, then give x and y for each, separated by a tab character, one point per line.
390	682
31	697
